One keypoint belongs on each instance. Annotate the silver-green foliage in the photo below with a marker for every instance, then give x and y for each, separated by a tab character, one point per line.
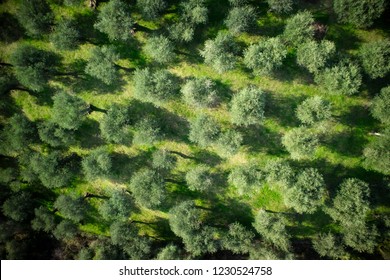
70	207
118	206
314	55
247	106
380	108
200	92
327	245
265	56
151	9
241	19
238	239
300	142
160	49
204	130
245	178
314	110
200	178
299	28
101	64
97	164
375	58
281	6
65	35
115	124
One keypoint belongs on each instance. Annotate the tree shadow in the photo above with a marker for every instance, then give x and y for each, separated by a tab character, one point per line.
207	157
11	30
125	166
88	135
224	92
343	36
230	211
348	143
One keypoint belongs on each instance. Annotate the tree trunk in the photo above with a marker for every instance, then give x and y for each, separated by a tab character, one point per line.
93	108
6	64
92	4
181	154
91	195
174	181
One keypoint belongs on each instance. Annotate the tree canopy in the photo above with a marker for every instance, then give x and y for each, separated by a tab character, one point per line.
160	49
71	207
300	142
115	126
241	19
314	110
97	164
65	35
200	92
299	28
314	55
101	64
200	178
380	107
204	130
375	58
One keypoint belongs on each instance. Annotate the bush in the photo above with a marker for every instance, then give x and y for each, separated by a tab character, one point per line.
314	56
299	28
241	19
101	64
199	92
360	13
300	142
220	53
264	57
343	78
314	110
114	20
160	49
247	106
375	58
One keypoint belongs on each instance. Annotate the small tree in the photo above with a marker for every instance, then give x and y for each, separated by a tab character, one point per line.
101	64
53	169
65	35
380	107
69	111
160	49
238	239
148	188
147	132
170	252
361	13
343	78
194	11
204	130
54	135
200	92
265	56
375	58
273	229
247	106
300	142
220	53
245	178
299	28
115	20
44	220
229	142
361	238
66	230
281	6
200	178
314	110
204	241
33	66
241	19
118	206
163	160
351	204
18	207
185	218
35	16
97	164
308	193
155	86
115	125
279	172
18	133
327	245
314	55
377	154
73	208
151	9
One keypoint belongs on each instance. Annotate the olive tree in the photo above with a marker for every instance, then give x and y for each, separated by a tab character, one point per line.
70	207
163	160
147	132
203	241
32	66
148	188
380	108
220	53
18	207
375	58
314	110
314	55
229	142
328	245
200	92
101	64
351	204
155	86
54	135
160	49
377	154
115	126
118	206
238	239
151	9
272	227
69	111
65	35
281	6
200	178
279	172
299	28
247	106
342	78
204	130
18	133
300	142
66	230
361	237
241	19
44	220
361	13
245	178
97	164
35	16
185	218
115	20
308	193
170	252
265	56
